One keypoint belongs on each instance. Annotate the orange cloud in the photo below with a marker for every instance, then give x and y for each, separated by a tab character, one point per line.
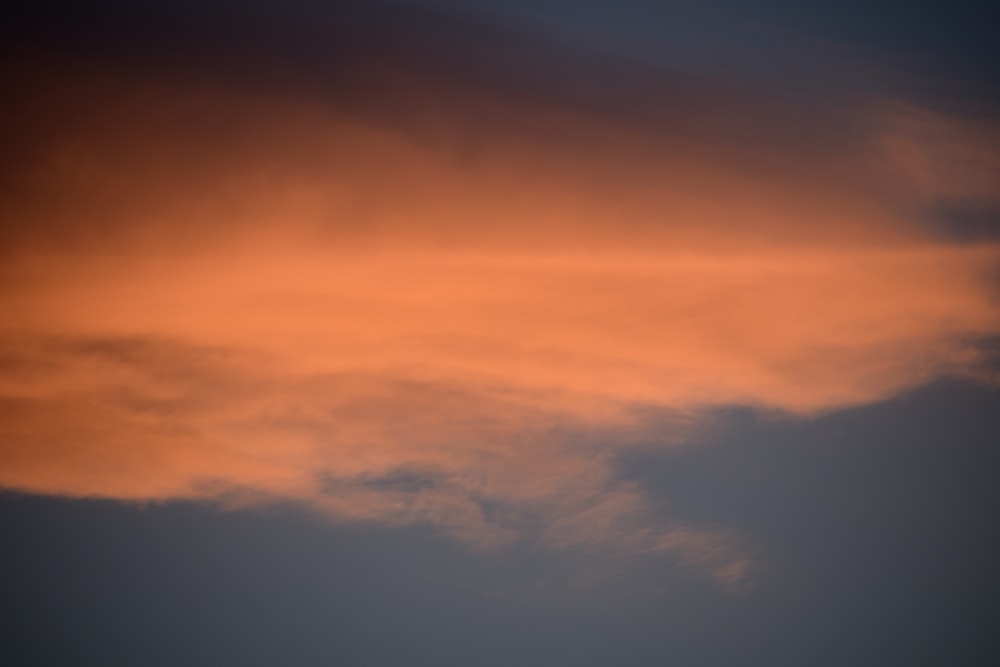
417	325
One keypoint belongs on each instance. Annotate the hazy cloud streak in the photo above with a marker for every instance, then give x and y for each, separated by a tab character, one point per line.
209	293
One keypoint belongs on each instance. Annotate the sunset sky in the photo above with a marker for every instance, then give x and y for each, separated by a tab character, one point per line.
499	332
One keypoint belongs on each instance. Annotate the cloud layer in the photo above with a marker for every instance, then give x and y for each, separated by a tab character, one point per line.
434	302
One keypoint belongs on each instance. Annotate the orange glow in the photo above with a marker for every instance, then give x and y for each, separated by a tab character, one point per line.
397	327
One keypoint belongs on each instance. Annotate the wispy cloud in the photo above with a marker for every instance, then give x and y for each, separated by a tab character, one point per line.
216	294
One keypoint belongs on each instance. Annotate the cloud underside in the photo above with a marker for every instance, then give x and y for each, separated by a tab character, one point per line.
460	325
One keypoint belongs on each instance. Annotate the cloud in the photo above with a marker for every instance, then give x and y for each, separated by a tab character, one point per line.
458	315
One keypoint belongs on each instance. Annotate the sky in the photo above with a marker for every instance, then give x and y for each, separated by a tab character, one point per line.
499	332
